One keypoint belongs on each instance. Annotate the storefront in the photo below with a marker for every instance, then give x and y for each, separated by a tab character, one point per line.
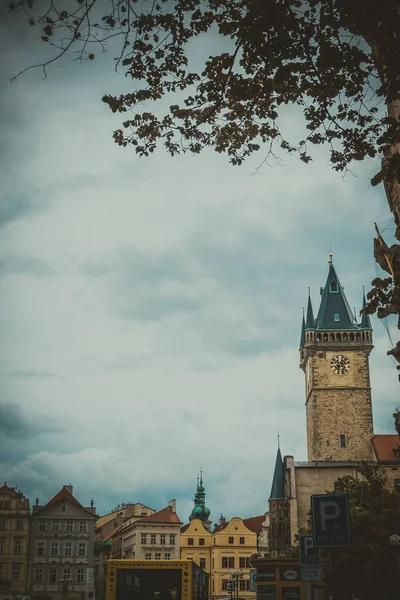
280	579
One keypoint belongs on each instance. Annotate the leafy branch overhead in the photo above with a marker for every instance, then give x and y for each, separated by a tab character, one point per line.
337	60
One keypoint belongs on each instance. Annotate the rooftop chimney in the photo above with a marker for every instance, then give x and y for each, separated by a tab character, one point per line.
172	504
69	488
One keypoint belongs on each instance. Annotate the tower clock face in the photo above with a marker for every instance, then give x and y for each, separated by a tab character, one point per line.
340	364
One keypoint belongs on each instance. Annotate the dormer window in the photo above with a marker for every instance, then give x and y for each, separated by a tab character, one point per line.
336	317
334	287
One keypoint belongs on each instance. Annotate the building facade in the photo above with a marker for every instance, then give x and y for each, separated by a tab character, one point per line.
61	549
14	541
154	537
226	549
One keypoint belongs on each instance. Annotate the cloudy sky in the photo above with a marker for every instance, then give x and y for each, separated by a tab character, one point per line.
151	308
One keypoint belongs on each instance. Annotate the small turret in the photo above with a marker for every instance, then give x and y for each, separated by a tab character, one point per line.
277	488
365	319
303	332
310	321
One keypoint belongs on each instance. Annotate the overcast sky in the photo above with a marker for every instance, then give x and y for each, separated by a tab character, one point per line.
151	308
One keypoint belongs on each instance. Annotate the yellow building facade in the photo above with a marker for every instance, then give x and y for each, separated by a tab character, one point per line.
14	541
220	552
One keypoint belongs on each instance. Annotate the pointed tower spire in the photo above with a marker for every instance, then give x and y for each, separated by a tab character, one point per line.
365	319
310	321
277	488
303	332
334	311
200	510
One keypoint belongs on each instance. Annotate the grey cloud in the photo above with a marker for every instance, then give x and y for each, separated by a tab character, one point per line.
32	373
192	417
13	207
12	264
14	424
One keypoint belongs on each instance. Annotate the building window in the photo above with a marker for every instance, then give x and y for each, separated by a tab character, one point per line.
3	524
80	576
244	562
231	540
67	574
82	549
17	546
157	556
224	585
144	538
228	562
244	585
38	575
54	548
241	540
147	556
334	286
19	525
4	505
203	563
201	541
69	526
396	483
16	572
68	549
83	526
336	317
172	540
190	541
2	545
167	556
55	526
162	538
42	525
153	538
52	575
2	571
342	440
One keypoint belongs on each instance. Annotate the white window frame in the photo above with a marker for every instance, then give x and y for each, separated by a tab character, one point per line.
162	538
15	569
81	548
52	571
38	575
56	525
17	546
157	556
167	556
153	538
19	525
41	545
83	526
80	576
55	549
148	556
69	526
172	539
67	573
42	525
68	549
144	538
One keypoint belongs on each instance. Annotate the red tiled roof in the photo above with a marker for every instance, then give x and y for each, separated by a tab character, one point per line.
220	527
64	496
254	523
183	529
384	444
166	515
111	535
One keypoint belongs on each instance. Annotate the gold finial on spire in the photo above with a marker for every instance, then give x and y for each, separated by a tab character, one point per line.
330	260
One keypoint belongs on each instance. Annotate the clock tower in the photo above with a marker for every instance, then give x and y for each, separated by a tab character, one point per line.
334	351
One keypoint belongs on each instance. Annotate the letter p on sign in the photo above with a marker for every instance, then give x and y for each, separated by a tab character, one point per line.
331	520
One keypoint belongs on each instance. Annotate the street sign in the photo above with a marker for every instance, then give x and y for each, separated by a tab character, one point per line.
311	574
309	554
253	585
331	520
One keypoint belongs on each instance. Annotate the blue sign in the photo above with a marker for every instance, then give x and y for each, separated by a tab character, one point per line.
309	554
331	520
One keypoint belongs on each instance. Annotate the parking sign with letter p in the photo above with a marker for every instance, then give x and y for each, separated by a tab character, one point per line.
331	520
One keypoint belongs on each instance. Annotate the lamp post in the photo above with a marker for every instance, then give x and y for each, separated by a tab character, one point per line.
236	576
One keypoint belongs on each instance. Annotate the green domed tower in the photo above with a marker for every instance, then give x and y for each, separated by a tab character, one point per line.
200	510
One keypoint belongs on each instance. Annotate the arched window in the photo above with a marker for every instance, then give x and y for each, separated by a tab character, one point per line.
336	317
358	337
339	337
334	286
318	337
352	337
332	337
325	338
345	337
363	336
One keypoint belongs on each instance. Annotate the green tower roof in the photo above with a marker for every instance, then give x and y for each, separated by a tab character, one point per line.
277	489
365	319
334	311
200	510
303	332
310	321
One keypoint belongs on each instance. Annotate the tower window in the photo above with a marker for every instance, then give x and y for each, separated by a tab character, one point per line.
334	286
342	440
336	317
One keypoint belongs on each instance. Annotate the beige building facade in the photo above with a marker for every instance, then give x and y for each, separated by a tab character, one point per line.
221	552
14	541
